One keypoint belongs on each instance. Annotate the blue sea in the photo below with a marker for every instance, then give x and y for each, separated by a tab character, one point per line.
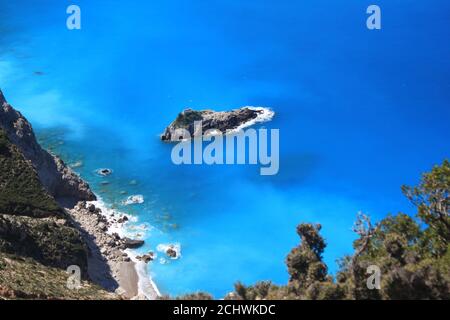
360	113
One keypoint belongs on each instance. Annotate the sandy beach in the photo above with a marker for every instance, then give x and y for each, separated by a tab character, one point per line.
110	263
128	279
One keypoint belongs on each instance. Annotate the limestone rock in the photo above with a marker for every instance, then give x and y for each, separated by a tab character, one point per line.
211	120
59	180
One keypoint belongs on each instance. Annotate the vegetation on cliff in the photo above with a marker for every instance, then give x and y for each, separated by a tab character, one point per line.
24	278
21	191
37	240
47	241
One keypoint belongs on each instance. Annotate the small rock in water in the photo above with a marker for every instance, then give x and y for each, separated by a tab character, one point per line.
132	244
146	257
104	172
136	199
122	219
171	253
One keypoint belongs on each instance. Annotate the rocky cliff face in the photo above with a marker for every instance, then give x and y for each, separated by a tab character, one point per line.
31	222
38	239
59	180
211	120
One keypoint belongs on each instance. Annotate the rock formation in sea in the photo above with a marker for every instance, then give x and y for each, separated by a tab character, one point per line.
59	180
211	120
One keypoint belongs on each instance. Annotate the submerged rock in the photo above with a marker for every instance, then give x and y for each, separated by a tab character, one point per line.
104	172
136	199
122	219
224	121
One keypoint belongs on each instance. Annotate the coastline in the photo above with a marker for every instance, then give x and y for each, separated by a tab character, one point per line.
111	264
130	273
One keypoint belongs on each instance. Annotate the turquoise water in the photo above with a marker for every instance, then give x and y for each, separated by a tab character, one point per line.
360	113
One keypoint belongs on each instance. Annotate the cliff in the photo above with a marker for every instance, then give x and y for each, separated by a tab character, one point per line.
59	180
38	238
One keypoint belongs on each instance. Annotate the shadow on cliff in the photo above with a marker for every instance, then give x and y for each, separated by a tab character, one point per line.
99	271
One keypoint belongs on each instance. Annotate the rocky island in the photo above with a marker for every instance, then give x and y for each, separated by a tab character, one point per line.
223	121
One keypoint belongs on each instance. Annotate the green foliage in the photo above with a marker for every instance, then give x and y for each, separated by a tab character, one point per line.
44	240
37	242
431	197
3	142
304	262
21	192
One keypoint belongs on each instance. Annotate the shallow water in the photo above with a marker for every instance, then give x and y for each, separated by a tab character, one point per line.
360	113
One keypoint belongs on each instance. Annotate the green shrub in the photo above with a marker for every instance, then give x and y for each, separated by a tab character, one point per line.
21	191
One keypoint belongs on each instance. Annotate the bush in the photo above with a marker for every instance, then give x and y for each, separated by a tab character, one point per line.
21	191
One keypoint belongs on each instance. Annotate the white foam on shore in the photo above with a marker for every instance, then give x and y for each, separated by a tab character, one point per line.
146	286
267	114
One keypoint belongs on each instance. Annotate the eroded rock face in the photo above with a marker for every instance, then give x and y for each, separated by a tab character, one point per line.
211	120
59	180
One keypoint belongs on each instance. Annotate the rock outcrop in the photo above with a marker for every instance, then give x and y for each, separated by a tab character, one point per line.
38	238
223	121
59	180
132	243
